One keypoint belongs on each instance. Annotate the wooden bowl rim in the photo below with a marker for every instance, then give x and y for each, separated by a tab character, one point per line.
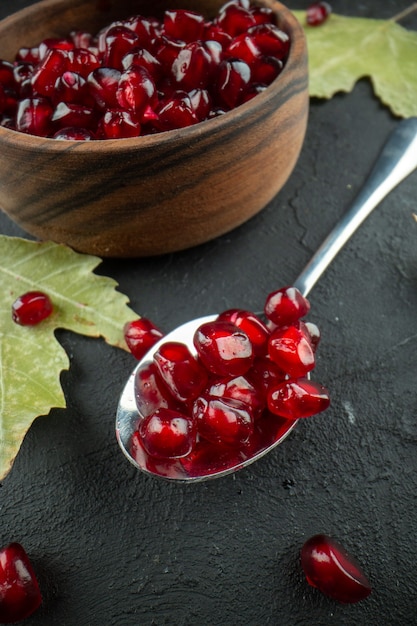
298	48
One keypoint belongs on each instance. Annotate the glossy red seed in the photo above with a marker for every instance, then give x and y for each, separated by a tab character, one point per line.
233	78
223	420
150	391
71	133
20	595
313	333
223	348
175	112
34	116
140	335
22	72
208	458
48	70
192	67
317	13
285	306
266	70
213	32
262	15
290	348
72	88
78	115
147	30
201	103
54	43
238	388
167	434
254	327
82	61
295	399
28	55
118	124
31	308
103	83
184	25
2	99
136	90
180	371
82	39
170	468
119	41
143	58
167	51
244	47
330	568
6	74
235	19
264	373
271	40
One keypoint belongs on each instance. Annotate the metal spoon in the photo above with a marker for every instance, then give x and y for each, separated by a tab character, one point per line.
396	161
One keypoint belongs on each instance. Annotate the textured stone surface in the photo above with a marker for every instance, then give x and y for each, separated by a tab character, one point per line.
114	547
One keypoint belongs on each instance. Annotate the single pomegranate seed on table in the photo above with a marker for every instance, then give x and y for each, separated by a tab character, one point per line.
167	433
184	25
317	13
31	308
223	348
140	335
223	420
34	116
295	399
20	595
332	570
285	306
290	348
181	372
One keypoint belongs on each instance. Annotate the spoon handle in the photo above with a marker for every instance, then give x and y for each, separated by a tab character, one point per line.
396	161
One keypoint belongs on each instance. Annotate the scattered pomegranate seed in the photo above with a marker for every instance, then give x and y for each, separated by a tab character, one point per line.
31	308
20	595
285	306
333	571
143	74
140	335
317	13
167	434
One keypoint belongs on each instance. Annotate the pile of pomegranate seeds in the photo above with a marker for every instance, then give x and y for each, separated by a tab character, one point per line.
317	13
333	571
31	308
141	75
247	383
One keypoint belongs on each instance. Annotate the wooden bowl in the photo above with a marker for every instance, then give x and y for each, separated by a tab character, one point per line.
154	194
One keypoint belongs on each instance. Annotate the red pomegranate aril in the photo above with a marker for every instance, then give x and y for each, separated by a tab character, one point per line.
254	327
31	308
6	74
22	72
285	306
332	570
82	61
252	91
201	103
168	467
48	70
208	458
262	15
103	83
317	13
167	51
151	392
181	372
140	335
271	40
78	115
232	81
119	41
118	124
82	39
295	399
313	333
213	32
73	134
140	57
264	373
193	67
167	434
223	420
72	88
238	388
28	55
244	47
184	25
20	595
290	348
54	43
34	116
147	30
224	349
136	90
266	70
235	19
175	112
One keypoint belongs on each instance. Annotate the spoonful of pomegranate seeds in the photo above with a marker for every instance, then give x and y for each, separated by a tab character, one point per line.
221	391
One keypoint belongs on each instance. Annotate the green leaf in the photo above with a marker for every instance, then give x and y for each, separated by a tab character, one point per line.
345	49
31	358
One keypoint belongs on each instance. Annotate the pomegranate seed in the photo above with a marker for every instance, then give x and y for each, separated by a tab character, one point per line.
167	51
271	40
20	595
118	42
201	103
313	333
329	567
140	57
264	373
6	74
54	43
255	329
213	32
22	72
140	335
48	70
295	399
118	124
146	29
253	91
285	306
193	66
175	112
169	467
223	348
34	116
185	25
82	61
223	420
317	13
28	55
103	83
136	90
238	388
78	115
180	371
266	70
167	434
71	88
244	47
81	39
74	134
208	458
150	391
290	348
232	80
235	19
262	15
31	308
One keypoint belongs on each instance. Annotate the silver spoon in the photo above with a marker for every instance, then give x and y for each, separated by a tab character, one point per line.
396	161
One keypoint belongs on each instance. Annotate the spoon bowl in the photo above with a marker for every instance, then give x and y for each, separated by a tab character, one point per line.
396	161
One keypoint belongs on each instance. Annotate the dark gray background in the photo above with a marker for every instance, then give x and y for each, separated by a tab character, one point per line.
114	547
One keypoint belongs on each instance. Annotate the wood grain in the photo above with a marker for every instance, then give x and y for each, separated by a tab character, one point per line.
153	194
